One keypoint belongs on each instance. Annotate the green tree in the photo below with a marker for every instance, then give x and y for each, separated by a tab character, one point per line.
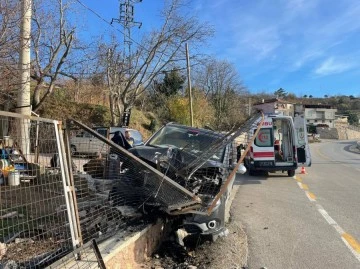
280	93
310	96
353	119
172	83
305	96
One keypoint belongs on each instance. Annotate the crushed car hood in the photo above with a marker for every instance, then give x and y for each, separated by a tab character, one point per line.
149	154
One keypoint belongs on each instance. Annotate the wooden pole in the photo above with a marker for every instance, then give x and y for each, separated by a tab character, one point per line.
233	172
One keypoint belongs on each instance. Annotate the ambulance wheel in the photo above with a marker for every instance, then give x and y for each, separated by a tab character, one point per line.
291	173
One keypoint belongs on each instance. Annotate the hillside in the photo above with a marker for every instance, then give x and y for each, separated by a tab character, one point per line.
94	115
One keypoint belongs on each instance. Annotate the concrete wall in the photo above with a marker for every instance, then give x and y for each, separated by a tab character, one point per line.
352	134
327	133
346	133
130	253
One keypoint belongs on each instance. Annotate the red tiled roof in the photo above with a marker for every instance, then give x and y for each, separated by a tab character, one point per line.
273	100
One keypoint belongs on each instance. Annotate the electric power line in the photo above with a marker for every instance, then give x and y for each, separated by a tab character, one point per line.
109	23
118	30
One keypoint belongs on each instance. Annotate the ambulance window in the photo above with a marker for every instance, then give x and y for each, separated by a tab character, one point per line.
264	138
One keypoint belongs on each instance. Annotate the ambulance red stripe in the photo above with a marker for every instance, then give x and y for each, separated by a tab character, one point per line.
264	154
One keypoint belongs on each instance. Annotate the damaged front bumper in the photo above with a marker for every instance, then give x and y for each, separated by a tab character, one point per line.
201	223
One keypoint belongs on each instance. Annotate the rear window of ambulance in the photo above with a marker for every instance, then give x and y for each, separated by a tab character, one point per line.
264	138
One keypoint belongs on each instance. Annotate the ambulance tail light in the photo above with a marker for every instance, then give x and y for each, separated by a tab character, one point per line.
251	152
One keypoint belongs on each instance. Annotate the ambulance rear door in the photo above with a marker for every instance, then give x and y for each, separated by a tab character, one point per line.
263	147
302	143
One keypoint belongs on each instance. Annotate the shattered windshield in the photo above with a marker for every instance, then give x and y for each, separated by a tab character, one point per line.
194	141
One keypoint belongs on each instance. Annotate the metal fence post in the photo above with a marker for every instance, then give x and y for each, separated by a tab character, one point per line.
68	188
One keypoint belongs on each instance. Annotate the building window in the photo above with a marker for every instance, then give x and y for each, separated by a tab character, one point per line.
323	121
330	121
308	120
315	120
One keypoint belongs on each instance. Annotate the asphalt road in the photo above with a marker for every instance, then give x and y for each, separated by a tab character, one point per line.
309	221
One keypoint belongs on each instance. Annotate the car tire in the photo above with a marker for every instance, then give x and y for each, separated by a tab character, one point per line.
252	172
291	173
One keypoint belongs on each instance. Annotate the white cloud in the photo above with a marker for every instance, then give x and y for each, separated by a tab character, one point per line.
330	66
291	33
261	42
302	58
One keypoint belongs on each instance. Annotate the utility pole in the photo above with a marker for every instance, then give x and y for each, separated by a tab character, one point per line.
189	84
23	100
127	20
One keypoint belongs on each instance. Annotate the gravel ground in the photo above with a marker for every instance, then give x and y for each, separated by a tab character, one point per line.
234	247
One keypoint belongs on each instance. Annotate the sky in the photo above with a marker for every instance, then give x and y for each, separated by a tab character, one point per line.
307	47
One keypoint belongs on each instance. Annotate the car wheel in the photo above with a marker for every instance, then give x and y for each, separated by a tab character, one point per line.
252	172
72	150
291	173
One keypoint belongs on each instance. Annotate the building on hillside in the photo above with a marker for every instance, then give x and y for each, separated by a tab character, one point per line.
320	115
275	106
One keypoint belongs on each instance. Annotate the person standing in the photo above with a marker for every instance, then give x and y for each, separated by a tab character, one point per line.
116	158
120	140
129	139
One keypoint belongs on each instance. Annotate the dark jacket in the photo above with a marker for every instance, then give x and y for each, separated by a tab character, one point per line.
120	140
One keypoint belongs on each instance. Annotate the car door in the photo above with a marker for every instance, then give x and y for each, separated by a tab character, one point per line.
80	142
97	146
302	143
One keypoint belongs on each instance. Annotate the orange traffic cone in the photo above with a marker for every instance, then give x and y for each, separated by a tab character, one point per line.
303	170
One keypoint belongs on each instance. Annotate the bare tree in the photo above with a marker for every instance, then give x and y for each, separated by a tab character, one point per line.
9	27
222	85
9	40
53	39
163	48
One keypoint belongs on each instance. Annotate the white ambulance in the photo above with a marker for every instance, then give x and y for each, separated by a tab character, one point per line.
280	145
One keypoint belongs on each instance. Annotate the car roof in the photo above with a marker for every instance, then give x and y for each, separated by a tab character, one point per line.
116	128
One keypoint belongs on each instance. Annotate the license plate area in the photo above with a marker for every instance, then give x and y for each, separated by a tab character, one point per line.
264	164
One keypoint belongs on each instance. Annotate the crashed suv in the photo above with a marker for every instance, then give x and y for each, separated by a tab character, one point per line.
188	156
